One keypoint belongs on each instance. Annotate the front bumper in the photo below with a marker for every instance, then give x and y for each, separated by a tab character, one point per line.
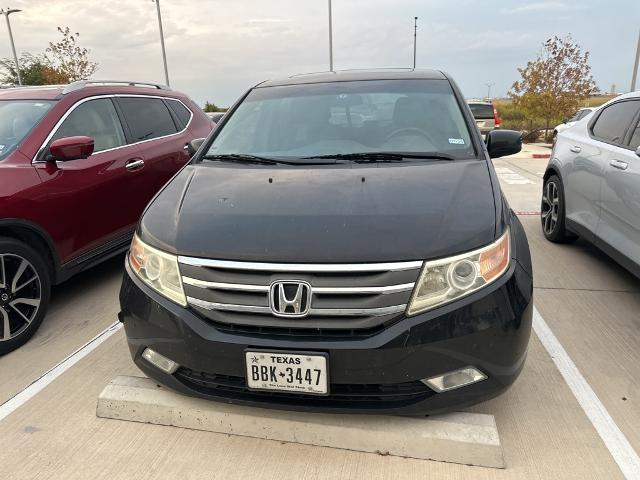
379	373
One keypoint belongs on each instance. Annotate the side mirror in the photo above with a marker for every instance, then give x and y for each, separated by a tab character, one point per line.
194	145
503	142
71	148
638	151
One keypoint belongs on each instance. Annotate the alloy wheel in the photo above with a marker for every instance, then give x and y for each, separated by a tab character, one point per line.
20	295
550	207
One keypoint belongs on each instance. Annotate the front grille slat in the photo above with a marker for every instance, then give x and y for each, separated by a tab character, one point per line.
374	395
300	267
225	286
317	290
350	298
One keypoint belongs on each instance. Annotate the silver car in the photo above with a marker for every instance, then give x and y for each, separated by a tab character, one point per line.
592	183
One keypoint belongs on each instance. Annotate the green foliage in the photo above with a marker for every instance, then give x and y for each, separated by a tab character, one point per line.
62	62
513	118
34	70
212	107
553	85
70	58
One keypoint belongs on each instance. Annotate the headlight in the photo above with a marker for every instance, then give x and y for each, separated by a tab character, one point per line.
445	280
157	269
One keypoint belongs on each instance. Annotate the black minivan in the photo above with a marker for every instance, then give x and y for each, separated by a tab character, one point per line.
339	243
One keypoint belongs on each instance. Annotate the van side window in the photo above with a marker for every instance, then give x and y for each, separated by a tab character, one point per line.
147	117
96	119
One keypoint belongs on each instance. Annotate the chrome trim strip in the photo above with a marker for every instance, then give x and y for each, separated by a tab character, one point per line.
375	312
301	267
227	306
113	95
225	286
242	287
404	287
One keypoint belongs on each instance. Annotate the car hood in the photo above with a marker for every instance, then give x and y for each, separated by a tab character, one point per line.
322	214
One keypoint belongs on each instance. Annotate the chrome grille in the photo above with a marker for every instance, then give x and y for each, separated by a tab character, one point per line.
344	296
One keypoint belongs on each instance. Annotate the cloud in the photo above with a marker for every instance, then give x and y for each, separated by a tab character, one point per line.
216	49
542	7
269	20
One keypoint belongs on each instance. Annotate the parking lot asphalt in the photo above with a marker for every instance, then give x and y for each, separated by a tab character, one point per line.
589	303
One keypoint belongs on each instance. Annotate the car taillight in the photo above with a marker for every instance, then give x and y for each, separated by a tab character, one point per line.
496	118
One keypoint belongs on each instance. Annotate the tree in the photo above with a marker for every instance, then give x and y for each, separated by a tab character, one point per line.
70	58
212	107
34	70
552	86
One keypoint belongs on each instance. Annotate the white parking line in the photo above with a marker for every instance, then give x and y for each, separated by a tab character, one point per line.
511	177
613	438
45	379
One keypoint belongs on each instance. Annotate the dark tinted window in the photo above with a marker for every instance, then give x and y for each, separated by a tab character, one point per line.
481	110
635	137
96	119
576	117
182	112
583	113
147	117
614	121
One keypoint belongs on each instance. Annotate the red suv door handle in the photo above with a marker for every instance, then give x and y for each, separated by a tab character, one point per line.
134	164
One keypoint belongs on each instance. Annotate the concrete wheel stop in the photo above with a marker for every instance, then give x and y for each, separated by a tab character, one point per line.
465	438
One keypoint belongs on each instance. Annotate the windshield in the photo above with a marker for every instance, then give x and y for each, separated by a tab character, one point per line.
323	119
17	118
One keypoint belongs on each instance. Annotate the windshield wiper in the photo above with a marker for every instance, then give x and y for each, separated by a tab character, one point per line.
383	157
245	158
257	160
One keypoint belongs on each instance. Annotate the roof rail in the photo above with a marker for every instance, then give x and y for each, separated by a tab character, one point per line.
72	87
4	87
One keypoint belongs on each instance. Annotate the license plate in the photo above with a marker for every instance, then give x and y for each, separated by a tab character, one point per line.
287	372
480	124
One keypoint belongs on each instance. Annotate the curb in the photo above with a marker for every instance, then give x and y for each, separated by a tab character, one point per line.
465	438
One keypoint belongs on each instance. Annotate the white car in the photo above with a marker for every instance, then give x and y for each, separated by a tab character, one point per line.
579	115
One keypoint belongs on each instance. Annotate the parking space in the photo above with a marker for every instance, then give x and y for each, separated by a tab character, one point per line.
589	303
56	435
80	309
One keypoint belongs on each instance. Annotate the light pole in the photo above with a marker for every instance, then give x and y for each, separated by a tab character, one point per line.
330	40
164	53
6	14
415	34
489	85
635	66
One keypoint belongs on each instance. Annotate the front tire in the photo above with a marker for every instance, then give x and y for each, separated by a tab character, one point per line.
25	290
552	212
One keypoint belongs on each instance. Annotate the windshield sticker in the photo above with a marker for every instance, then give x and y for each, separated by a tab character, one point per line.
456	141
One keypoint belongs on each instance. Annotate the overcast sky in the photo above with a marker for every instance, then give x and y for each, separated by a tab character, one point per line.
218	48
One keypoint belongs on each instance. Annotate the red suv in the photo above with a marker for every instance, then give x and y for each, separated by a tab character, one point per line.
78	164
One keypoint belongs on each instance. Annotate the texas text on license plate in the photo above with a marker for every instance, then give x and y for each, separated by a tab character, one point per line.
287	372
